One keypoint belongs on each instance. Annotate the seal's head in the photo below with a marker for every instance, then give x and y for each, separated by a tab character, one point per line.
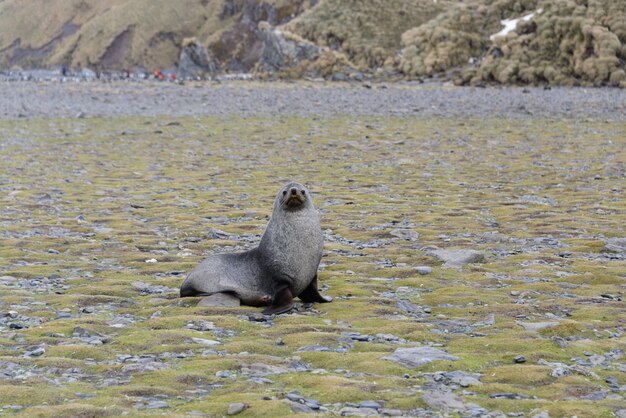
293	196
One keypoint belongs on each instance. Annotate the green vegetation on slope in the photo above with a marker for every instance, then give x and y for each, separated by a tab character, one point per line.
567	42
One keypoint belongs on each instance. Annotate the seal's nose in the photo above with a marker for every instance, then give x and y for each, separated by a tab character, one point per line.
294	191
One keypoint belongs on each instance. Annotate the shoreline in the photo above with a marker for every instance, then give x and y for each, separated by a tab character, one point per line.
68	99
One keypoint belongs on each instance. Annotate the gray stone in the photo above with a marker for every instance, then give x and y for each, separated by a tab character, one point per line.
519	359
294	396
157	405
424	269
537	326
39	351
299	408
357	412
313	348
462	379
205	341
370	404
444	401
458	258
282	50
417	356
195	60
220	299
615	245
235	408
405	234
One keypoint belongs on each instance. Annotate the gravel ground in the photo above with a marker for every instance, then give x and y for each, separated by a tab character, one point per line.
251	98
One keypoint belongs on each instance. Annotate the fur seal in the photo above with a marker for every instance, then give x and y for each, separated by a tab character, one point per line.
283	266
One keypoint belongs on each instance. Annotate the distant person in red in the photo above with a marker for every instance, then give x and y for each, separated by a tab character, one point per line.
173	77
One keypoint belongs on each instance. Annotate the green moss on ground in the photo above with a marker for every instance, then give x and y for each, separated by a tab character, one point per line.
77	234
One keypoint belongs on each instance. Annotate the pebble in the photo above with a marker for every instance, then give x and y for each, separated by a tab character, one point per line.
39	351
417	356
424	270
235	408
157	405
204	341
370	404
519	359
299	408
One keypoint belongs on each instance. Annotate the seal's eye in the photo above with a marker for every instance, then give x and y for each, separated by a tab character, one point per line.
284	192
303	192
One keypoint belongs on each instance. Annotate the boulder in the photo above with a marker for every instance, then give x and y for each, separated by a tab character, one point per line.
195	60
283	50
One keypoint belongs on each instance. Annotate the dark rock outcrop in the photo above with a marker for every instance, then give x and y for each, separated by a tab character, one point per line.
195	60
282	50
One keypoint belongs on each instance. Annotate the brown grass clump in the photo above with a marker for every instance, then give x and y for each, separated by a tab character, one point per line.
367	31
567	42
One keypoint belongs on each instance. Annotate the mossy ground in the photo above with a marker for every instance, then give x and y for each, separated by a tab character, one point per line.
90	200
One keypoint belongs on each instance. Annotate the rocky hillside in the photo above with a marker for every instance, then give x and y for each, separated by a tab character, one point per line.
563	42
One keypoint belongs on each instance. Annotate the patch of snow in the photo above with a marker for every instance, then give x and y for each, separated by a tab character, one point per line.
511	24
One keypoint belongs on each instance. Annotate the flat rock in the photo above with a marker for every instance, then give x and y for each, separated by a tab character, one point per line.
157	405
537	326
220	299
418	356
424	269
406	234
444	401
462	379
204	341
235	408
370	404
615	245
300	408
357	412
458	258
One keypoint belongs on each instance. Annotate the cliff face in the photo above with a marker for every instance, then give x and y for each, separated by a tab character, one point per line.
564	42
120	34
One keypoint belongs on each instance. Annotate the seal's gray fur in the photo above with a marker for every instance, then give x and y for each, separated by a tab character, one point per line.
282	266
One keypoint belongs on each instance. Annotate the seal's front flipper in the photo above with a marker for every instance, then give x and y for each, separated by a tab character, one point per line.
311	294
281	303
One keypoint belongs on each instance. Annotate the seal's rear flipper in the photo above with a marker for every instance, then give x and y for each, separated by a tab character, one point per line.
311	294
282	302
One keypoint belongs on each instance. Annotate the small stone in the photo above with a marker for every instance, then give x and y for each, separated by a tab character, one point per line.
458	258
151	260
418	356
443	401
405	234
515	292
258	317
39	351
370	404
294	396
157	405
424	270
299	408
235	408
519	359
388	412
537	326
204	341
